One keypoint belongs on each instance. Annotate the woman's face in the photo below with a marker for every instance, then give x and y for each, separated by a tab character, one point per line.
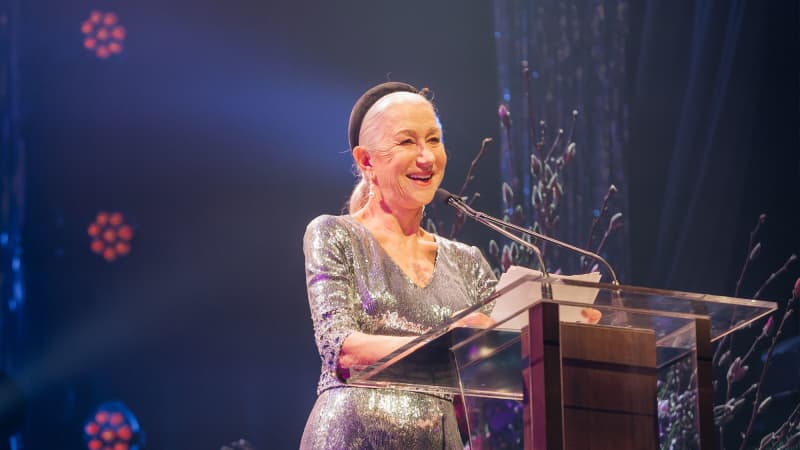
405	151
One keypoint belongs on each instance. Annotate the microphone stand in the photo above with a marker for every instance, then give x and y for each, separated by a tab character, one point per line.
547	290
497	223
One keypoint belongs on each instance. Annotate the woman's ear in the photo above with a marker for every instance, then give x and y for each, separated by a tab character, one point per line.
362	158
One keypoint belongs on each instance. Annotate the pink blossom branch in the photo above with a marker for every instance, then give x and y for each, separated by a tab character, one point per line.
613	225
776	274
459	220
750	256
573	126
787	426
473	165
526	93
789	310
553	147
603	209
737	368
761	219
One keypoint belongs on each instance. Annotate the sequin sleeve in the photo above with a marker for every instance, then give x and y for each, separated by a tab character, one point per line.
482	276
330	285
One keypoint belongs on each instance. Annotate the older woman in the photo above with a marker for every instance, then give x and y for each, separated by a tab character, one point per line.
376	279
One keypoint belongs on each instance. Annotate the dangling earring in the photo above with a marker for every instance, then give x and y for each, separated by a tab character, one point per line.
368	180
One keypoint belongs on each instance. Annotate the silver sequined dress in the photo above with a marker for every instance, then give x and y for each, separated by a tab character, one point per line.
353	285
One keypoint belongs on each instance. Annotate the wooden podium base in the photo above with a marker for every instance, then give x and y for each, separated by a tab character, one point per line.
597	385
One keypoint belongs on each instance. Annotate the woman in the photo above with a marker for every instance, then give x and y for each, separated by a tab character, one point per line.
376	279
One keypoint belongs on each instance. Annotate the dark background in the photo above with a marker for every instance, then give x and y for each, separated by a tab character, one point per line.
221	131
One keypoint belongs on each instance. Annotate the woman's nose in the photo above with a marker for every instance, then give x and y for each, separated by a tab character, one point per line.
425	158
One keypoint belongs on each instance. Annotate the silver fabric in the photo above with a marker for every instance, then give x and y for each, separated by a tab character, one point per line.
353	285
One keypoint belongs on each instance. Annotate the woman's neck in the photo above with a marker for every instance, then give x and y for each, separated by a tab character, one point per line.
401	221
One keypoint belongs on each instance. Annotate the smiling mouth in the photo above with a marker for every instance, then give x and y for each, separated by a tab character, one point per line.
421	178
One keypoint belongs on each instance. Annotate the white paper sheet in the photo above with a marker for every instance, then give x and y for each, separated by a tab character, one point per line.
525	296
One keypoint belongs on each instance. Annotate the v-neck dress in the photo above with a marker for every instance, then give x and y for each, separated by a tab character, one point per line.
353	285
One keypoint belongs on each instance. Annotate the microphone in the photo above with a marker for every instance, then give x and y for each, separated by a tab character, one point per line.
443	196
494	223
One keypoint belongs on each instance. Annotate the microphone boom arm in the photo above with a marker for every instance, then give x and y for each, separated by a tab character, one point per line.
501	225
486	220
497	222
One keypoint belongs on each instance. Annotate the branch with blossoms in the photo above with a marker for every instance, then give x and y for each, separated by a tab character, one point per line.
433	225
760	405
740	394
538	210
732	371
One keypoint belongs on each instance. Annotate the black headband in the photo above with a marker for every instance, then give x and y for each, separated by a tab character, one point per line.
365	102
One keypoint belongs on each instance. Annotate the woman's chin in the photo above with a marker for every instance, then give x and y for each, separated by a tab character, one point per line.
428	197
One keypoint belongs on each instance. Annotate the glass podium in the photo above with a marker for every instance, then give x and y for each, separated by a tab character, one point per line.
589	361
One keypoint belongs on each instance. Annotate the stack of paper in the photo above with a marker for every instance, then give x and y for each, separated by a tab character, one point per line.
530	292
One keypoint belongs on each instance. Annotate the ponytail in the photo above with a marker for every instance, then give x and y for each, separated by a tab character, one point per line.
359	196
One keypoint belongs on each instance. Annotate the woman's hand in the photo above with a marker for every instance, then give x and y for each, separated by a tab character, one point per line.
361	349
591	315
474	320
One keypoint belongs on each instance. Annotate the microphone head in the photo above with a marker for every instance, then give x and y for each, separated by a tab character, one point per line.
443	196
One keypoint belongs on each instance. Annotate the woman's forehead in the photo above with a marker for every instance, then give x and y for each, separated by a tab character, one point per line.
402	111
399	97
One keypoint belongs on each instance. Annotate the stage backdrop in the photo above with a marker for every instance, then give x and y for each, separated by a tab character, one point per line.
219	130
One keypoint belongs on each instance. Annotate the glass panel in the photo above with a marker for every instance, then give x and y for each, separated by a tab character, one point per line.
484	365
725	313
489	359
678	425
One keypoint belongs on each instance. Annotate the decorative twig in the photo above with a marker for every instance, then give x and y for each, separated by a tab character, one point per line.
776	274
751	254
472	165
526	93
505	122
459	220
572	127
553	147
788	425
613	225
761	219
738	369
542	138
724	413
475	197
789	310
507	194
603	209
764	334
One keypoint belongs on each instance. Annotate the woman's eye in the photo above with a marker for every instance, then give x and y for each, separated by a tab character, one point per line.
406	142
434	139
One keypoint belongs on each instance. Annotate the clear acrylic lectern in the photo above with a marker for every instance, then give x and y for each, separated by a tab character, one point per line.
582	385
